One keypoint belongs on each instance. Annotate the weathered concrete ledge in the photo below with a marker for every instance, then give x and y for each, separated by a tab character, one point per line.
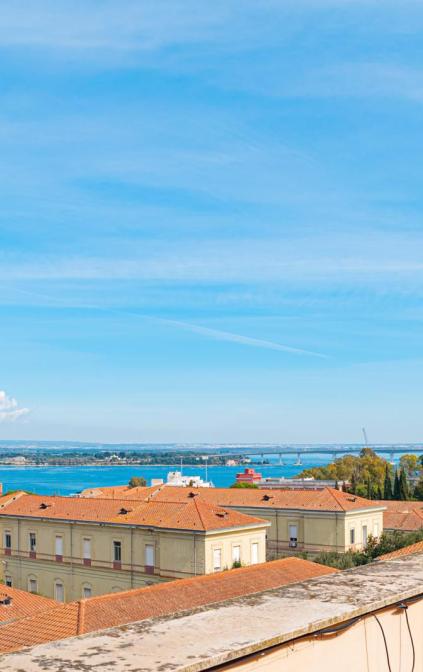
201	639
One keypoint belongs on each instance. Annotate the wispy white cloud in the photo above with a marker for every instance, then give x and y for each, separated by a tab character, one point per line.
130	25
362	80
141	25
350	257
10	411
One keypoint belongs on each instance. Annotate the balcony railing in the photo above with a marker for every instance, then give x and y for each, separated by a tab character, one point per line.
101	564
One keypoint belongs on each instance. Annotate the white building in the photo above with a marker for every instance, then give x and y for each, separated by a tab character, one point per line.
177	479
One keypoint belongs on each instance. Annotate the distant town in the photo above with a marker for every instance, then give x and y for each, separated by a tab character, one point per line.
122	457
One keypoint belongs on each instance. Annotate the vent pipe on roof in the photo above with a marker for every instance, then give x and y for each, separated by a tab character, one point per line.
6	601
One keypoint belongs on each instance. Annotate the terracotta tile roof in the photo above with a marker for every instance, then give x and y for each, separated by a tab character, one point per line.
327	499
407	550
117	492
96	613
189	514
21	604
400	515
6	499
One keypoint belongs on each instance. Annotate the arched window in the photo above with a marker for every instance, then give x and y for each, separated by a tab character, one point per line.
59	590
87	591
32	584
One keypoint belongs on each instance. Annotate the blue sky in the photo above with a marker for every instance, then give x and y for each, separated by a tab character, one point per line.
211	220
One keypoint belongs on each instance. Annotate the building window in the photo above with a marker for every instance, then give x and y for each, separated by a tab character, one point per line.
86	551
86	592
32	585
293	536
352	535
117	552
254	553
364	535
7	539
32	544
8	580
59	591
149	558
236	554
217	559
59	547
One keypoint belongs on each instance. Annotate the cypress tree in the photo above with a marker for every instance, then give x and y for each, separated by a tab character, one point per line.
396	486
418	490
404	492
387	485
369	489
353	486
379	492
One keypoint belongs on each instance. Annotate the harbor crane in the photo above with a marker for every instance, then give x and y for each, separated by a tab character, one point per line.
366	442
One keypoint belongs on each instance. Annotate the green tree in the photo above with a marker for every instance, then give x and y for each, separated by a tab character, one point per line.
386	543
244	484
396	493
356	469
410	463
387	484
137	482
404	491
418	490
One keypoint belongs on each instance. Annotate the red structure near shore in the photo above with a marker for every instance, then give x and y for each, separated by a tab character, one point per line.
248	476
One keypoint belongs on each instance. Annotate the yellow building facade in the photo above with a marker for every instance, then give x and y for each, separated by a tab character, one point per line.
60	548
300	520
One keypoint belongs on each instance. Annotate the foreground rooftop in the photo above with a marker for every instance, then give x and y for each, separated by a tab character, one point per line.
56	621
223	632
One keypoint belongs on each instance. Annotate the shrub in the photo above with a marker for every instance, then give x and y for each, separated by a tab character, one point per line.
137	482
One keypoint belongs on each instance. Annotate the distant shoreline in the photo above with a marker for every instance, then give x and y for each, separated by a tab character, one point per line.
146	466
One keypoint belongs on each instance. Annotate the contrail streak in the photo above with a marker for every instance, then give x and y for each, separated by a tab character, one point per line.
216	334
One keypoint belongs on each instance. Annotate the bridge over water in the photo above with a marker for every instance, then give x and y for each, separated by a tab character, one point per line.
335	451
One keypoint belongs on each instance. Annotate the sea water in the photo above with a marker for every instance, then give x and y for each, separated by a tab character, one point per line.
71	480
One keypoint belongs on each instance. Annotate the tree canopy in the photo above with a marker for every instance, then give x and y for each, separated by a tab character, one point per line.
410	464
387	542
137	482
371	476
366	472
